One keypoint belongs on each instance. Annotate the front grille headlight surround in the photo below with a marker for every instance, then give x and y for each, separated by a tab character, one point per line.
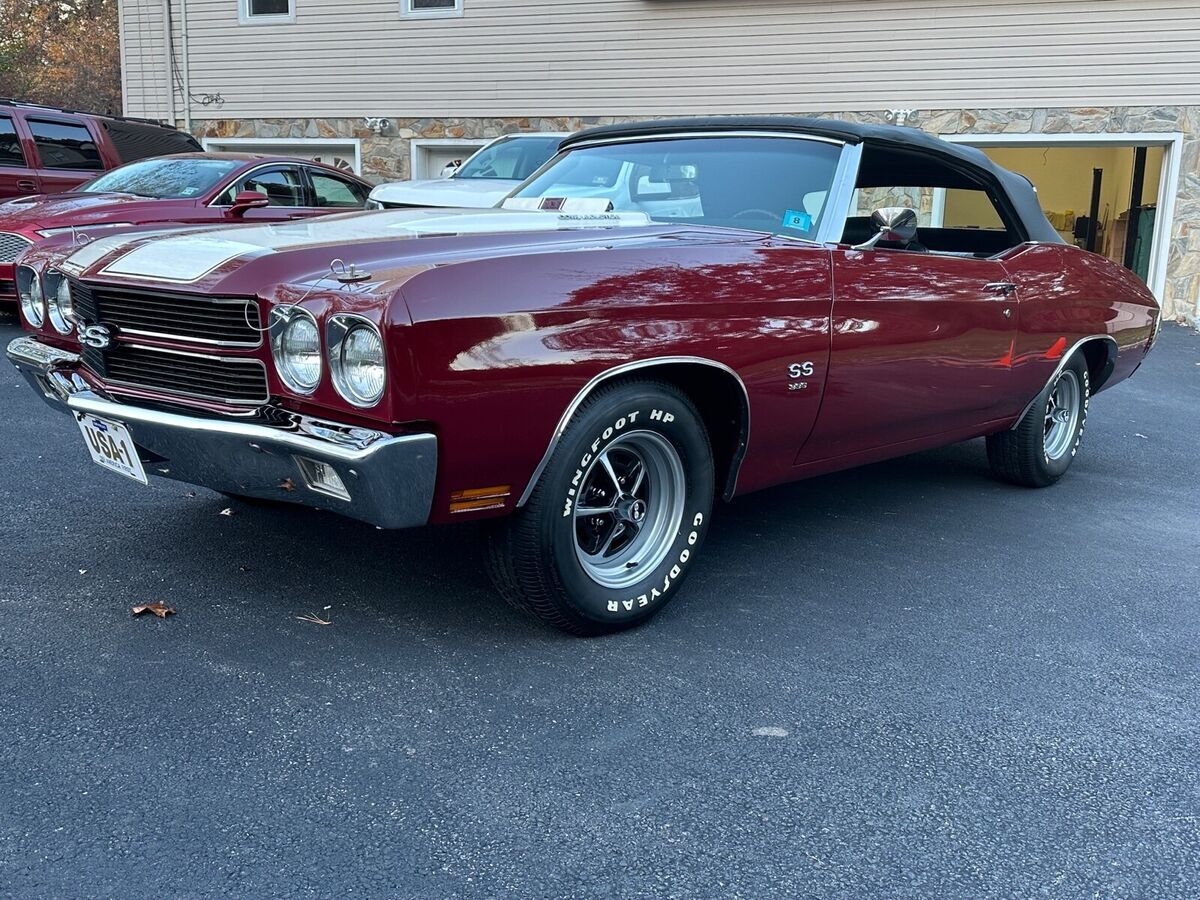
29	290
60	305
296	348
357	359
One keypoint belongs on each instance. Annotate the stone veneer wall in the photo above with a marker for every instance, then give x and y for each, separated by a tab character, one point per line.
387	157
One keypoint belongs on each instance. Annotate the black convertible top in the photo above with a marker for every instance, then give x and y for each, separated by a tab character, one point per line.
961	166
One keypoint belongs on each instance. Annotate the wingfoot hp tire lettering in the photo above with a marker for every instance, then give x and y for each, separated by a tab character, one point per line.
1042	446
619	516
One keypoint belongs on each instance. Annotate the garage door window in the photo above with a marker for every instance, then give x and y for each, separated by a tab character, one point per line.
63	146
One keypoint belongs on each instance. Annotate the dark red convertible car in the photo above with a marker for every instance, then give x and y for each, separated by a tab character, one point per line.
663	315
189	188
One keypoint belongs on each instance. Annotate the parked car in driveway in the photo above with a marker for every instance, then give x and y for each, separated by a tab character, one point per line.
482	181
192	188
44	149
666	314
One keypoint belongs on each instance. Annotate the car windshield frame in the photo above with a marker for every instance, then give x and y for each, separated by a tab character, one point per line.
796	220
193	188
483	156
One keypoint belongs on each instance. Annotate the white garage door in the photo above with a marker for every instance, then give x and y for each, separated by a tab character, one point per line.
342	154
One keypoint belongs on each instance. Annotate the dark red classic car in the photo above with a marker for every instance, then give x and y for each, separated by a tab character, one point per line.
186	188
664	314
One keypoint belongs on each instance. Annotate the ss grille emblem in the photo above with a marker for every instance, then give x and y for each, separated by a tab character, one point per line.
98	337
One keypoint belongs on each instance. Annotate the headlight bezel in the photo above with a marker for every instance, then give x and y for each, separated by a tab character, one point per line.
283	320
62	317
338	330
33	305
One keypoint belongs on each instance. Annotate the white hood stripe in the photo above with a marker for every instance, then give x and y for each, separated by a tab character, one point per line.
189	257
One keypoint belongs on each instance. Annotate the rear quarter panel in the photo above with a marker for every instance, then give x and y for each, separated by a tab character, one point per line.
1067	294
501	347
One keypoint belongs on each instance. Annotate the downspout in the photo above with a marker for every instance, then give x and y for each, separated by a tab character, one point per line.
187	68
170	59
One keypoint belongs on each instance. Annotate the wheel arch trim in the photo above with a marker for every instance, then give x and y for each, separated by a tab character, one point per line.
638	366
1062	364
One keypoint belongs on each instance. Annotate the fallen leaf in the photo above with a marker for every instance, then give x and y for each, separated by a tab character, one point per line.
314	620
227	511
159	609
287	484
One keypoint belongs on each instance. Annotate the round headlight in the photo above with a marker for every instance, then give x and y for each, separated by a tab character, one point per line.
62	312
358	366
297	350
33	303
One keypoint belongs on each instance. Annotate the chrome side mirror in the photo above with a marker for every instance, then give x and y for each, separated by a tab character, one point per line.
895	224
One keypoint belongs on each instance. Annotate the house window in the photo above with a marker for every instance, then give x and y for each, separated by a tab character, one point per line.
423	8
256	12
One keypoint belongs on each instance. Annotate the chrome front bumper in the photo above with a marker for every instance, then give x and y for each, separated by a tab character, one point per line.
388	479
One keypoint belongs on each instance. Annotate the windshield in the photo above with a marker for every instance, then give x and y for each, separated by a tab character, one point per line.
164	179
777	185
514	158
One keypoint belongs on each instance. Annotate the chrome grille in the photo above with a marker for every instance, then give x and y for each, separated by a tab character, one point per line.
195	318
12	246
215	378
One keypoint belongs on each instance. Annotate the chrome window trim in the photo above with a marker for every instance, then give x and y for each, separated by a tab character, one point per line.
205	397
623	369
680	135
841	193
278	164
1058	370
335	332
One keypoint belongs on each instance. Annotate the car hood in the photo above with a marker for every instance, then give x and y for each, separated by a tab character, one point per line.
475	193
43	211
390	245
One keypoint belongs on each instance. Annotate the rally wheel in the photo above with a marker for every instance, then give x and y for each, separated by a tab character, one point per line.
1042	446
618	517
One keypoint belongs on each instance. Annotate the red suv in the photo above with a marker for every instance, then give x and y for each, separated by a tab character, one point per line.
44	150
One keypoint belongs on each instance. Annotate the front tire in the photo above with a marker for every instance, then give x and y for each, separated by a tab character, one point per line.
1042	446
618	517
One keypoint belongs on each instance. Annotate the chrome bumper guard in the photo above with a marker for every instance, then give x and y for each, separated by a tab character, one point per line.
386	480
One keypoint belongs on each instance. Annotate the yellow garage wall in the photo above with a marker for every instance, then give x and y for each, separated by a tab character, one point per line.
1063	176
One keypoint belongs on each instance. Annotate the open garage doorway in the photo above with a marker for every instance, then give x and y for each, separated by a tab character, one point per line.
1111	193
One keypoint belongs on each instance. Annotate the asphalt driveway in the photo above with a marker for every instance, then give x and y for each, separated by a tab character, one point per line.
903	681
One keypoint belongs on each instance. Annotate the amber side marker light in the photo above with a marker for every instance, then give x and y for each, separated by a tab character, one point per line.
476	499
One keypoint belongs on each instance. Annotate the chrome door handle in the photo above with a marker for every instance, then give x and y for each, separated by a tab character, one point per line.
1001	287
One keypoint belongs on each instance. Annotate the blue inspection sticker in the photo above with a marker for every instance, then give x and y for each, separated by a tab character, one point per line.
801	221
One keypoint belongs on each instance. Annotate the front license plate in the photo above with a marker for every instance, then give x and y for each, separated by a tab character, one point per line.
111	446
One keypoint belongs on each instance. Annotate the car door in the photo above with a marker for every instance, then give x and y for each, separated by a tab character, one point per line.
922	342
284	187
17	176
67	152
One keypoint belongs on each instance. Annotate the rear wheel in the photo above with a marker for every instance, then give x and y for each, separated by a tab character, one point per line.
1040	449
618	516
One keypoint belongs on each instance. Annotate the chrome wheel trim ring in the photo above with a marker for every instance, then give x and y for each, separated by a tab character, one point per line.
1062	415
629	509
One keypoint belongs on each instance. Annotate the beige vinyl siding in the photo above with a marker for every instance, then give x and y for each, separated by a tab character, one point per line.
144	59
664	57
